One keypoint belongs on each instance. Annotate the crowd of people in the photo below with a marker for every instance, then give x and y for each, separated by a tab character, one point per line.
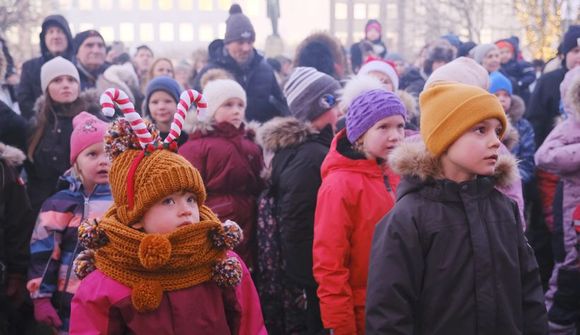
344	191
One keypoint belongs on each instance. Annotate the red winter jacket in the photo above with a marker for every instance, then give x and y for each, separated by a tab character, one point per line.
230	164
353	197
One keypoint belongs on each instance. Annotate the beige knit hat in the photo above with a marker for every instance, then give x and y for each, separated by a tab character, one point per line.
55	67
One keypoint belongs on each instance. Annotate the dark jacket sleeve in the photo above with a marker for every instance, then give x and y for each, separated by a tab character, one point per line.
527	149
395	275
17	220
534	310
278	99
25	92
527	74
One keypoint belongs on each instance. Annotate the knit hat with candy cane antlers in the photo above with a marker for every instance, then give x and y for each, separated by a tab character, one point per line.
144	168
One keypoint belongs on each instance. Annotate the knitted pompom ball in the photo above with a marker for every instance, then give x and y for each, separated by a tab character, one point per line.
227	272
84	263
154	251
120	137
228	237
146	296
91	236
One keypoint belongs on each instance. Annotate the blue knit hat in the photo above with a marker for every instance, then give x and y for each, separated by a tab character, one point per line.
369	108
161	83
499	82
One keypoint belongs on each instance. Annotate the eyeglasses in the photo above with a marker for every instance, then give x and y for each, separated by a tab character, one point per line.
327	101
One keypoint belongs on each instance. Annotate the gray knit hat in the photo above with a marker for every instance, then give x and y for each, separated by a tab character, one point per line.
55	67
310	93
481	50
238	26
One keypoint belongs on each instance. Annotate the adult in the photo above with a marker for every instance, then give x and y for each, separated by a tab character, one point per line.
373	35
236	54
90	53
544	106
323	52
142	62
487	55
55	40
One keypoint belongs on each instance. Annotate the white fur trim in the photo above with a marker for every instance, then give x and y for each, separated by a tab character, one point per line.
383	67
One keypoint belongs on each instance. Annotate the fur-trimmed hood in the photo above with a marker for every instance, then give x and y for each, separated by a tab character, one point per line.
283	132
411	159
122	77
12	156
570	92
517	109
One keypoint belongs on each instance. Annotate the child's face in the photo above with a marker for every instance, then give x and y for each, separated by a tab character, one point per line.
491	61
383	137
373	35
170	213
386	80
504	99
232	110
63	89
162	107
505	54
474	153
93	166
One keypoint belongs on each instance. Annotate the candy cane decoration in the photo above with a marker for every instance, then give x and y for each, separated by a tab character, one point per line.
114	95
187	98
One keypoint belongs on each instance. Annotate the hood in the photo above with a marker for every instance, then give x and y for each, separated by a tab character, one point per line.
411	159
336	160
12	156
511	136
63	24
122	77
515	42
218	55
517	109
283	132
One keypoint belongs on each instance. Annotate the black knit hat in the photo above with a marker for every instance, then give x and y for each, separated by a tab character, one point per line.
238	26
82	36
571	39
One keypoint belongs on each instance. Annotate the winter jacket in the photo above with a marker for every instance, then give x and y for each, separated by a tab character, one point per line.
299	153
356	54
265	98
51	157
353	197
229	162
451	258
16	217
519	72
526	146
89	78
54	244
29	88
544	106
12	128
412	81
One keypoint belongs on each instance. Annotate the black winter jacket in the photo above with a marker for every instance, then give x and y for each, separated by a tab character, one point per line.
299	153
452	258
12	128
544	106
264	96
29	88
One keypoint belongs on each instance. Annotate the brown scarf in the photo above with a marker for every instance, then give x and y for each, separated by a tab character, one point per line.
154	263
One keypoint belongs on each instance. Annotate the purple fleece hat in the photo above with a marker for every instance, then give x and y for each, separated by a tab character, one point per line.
369	108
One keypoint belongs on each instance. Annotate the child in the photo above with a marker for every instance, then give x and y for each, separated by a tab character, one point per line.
514	108
560	154
519	72
54	246
228	160
161	97
353	197
161	262
451	257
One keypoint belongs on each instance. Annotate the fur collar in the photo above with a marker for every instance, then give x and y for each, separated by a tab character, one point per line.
283	132
517	109
11	155
573	98
412	159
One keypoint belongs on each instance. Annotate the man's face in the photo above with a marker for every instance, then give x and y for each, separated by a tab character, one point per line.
143	59
92	52
240	50
573	58
55	40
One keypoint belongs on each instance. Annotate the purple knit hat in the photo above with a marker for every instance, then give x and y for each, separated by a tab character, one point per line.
369	108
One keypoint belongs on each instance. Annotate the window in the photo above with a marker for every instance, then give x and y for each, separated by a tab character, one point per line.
205	5
165	4
125	4
373	11
206	33
127	32
86	5
186	4
166	33
146	33
107	32
105	4
360	11
186	32
224	4
145	4
341	11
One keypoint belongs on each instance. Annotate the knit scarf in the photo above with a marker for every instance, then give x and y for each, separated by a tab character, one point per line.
154	263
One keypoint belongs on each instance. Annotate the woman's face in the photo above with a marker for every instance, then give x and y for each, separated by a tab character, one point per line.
63	89
491	61
163	68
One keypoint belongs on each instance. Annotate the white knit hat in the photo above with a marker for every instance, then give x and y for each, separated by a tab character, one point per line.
55	67
382	67
216	92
